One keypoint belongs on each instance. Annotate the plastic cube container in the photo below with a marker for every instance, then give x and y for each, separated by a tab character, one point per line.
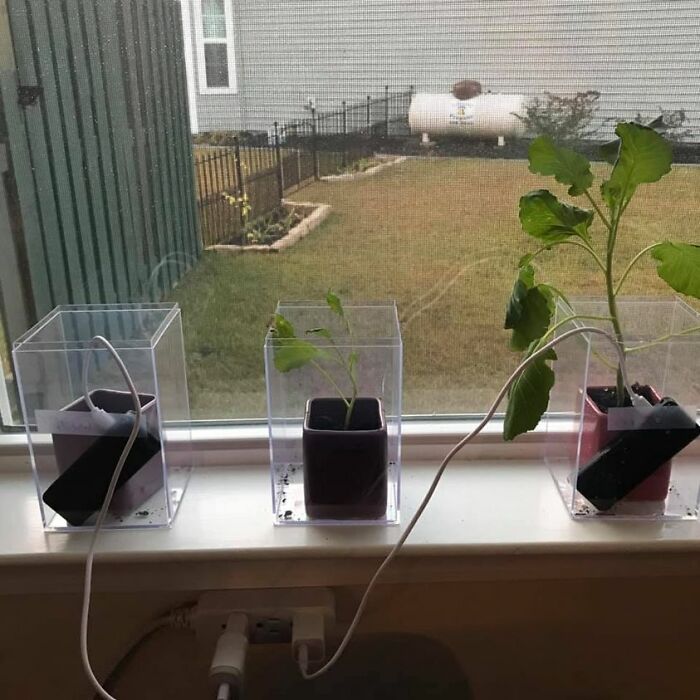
627	462
79	413
326	470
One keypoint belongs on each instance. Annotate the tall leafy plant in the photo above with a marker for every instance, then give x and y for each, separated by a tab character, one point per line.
638	156
292	352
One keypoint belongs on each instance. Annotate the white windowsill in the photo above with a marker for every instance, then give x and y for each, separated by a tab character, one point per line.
218	91
495	515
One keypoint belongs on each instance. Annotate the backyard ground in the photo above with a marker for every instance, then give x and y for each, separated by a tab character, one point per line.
442	237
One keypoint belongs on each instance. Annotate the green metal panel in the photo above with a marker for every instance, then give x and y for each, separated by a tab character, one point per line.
17	152
67	227
73	147
102	162
39	159
161	58
87	124
160	148
140	184
182	135
104	137
121	142
143	42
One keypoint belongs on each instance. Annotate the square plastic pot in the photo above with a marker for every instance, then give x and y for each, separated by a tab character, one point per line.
345	471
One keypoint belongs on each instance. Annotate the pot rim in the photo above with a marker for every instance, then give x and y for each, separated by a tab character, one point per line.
307	414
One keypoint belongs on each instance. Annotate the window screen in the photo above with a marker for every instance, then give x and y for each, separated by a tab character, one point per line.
155	150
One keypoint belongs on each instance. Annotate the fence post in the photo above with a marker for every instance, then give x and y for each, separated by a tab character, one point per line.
240	185
386	111
369	115
314	145
345	135
278	156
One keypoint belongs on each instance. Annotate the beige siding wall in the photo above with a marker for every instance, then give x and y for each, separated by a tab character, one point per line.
640	54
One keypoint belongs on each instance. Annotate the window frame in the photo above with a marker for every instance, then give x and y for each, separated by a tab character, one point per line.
228	41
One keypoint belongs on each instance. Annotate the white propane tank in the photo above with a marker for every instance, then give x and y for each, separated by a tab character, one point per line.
489	115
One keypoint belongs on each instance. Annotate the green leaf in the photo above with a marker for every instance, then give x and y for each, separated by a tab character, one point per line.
544	217
679	266
610	150
282	328
529	397
292	353
567	166
333	301
529	310
323	332
514	308
644	156
526	274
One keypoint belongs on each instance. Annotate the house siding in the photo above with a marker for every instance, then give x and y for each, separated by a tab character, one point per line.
639	54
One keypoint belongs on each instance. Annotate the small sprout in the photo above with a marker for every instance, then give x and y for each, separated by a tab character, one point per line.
292	352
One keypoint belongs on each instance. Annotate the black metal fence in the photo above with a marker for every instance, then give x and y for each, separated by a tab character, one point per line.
237	184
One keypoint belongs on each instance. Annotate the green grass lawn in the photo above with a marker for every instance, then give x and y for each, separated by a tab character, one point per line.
442	237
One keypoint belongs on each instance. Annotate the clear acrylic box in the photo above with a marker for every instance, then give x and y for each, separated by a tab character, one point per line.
609	461
74	447
322	473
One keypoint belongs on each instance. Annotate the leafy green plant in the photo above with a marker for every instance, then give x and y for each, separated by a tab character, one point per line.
360	165
292	352
640	155
272	226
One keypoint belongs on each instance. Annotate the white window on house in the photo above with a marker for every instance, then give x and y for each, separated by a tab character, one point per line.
216	57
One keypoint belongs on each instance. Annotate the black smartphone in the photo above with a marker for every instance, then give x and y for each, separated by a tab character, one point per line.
636	454
80	490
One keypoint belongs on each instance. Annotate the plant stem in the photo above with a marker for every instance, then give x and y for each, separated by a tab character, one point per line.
632	263
597	209
612	305
578	244
662	338
349	368
327	375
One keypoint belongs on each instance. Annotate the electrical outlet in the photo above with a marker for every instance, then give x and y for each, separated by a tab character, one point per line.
270	612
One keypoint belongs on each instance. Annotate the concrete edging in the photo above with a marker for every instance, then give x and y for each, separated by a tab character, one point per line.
389	161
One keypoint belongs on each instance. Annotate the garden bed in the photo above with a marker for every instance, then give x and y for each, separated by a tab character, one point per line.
278	229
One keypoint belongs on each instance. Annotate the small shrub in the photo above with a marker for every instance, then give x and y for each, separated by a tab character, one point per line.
669	122
562	118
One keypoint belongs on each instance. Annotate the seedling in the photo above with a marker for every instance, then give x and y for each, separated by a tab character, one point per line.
292	352
639	155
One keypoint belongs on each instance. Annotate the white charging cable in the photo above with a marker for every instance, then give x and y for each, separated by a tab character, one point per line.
87	586
303	652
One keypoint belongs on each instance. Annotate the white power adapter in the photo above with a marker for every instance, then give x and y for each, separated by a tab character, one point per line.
308	639
228	665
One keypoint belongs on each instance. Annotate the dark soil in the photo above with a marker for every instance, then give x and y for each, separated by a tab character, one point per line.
513	148
606	397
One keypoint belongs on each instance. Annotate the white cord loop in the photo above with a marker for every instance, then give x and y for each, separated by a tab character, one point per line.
448	458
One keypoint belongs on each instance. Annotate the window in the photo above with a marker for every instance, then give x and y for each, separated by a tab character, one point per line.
99	202
217	65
